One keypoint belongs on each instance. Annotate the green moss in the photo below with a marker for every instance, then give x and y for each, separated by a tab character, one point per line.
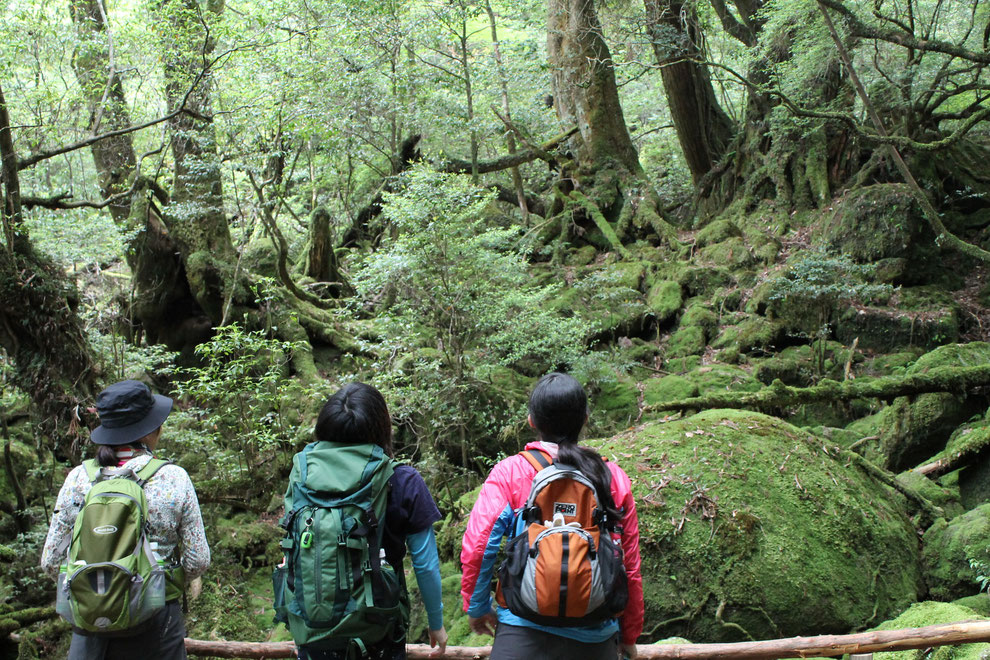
689	340
940	496
979	603
717	231
664	299
705	280
616	401
745	516
927	614
682	365
732	252
790	371
628	274
581	256
925	318
723	378
698	314
948	548
668	388
753	333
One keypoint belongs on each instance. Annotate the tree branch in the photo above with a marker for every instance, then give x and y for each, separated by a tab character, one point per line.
458	166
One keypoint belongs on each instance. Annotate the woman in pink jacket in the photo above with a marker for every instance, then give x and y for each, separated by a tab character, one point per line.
558	409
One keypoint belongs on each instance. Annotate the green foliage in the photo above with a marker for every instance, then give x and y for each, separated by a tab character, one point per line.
238	394
461	307
820	282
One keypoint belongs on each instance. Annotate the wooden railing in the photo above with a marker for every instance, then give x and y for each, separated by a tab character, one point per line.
964	632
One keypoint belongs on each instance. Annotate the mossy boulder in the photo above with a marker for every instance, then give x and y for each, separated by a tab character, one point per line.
751	526
930	613
664	299
945	498
732	252
877	222
689	340
260	256
752	333
615	403
668	388
974	481
913	429
705	280
923	316
979	603
948	549
717	231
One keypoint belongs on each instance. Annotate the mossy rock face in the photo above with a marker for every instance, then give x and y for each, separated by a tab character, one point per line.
628	274
701	316
918	320
979	603
912	430
581	256
930	613
945	498
689	340
718	377
668	388
717	231
664	299
754	333
732	252
615	402
877	222
704	280
789	371
974	481
749	522
948	548
260	256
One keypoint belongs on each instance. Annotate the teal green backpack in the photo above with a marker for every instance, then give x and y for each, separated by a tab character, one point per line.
110	580
335	590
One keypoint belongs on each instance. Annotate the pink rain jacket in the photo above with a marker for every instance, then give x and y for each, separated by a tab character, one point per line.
493	518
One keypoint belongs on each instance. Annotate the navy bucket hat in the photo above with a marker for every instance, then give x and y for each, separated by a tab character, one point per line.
128	412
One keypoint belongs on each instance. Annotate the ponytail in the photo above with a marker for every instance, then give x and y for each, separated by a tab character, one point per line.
558	408
106	456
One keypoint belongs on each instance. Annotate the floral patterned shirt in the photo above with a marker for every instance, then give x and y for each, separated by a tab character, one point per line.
173	517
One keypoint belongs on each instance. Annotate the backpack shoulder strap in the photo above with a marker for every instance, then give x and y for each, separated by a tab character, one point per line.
538	458
92	469
149	470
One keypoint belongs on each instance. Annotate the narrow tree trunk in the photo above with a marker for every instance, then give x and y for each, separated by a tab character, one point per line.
584	88
161	300
195	216
703	128
39	328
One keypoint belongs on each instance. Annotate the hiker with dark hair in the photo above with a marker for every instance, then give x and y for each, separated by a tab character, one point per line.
161	541
570	586
351	513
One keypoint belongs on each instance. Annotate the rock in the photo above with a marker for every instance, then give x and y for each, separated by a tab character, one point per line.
747	521
664	299
716	231
928	614
921	316
668	388
949	546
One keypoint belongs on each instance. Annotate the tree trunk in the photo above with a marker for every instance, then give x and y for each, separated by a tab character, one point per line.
703	128
605	174
39	329
584	89
161	301
195	216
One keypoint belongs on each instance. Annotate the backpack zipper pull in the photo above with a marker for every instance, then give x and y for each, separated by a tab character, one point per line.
306	538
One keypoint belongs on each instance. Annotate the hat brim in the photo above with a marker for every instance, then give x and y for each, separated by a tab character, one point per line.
123	435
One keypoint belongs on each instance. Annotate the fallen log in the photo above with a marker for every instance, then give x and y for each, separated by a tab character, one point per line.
960	380
222	649
951	460
963	632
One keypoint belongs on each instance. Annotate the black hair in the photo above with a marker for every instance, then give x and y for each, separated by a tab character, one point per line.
558	407
356	414
106	456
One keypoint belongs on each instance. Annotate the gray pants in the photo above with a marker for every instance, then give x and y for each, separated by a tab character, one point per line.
521	643
163	639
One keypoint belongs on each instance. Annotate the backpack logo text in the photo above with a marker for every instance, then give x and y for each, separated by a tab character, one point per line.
566	508
105	529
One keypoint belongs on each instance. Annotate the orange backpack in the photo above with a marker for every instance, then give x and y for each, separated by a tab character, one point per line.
562	567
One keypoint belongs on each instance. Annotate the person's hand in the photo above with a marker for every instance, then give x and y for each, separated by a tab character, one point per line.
438	639
484	625
628	651
194	588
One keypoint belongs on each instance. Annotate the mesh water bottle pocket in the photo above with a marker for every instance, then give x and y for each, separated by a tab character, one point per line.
63	606
150	595
278	588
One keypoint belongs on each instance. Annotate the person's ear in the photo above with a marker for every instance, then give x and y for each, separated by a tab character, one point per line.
529	418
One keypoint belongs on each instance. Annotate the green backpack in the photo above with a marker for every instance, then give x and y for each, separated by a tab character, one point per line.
335	590
111	580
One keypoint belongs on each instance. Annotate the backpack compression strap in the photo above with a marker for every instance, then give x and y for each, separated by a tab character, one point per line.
94	471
